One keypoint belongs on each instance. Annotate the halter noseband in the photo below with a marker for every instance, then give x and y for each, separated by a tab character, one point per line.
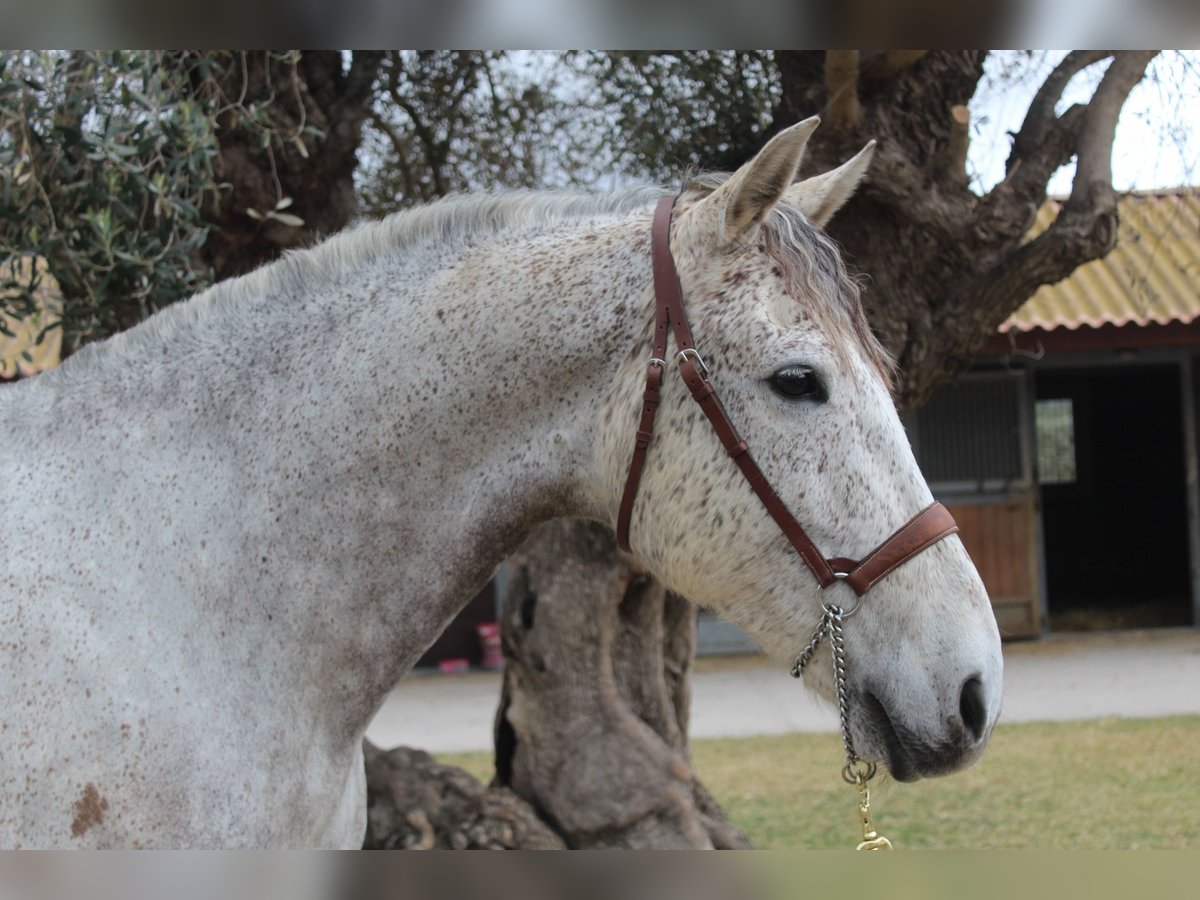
924	529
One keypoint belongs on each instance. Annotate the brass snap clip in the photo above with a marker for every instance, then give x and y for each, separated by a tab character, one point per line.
872	840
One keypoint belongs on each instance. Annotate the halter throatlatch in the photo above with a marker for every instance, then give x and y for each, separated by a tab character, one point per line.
924	529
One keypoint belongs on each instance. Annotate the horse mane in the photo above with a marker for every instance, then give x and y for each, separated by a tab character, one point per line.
448	222
810	262
455	220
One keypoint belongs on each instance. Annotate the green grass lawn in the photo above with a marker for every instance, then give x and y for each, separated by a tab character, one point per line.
1098	784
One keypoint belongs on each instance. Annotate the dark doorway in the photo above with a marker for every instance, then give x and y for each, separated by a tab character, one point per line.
1114	513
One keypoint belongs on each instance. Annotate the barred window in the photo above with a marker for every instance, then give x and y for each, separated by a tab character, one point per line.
968	437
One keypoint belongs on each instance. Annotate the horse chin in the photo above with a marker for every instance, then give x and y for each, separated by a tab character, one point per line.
908	755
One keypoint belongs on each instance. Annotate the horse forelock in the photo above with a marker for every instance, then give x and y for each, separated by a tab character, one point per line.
816	277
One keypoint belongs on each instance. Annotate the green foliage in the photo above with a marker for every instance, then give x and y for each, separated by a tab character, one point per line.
110	173
451	121
112	163
699	109
106	162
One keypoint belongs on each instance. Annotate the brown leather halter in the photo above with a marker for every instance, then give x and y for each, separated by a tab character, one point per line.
925	528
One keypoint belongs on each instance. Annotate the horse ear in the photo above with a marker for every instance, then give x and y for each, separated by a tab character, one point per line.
821	196
741	203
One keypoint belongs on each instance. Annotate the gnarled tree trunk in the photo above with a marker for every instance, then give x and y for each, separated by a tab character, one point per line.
592	724
591	732
315	107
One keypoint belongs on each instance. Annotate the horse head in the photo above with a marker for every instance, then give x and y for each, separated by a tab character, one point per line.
780	326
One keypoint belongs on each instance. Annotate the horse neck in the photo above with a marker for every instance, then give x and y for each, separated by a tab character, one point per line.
455	410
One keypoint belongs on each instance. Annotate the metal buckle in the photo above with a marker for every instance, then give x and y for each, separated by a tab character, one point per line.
691	351
655	361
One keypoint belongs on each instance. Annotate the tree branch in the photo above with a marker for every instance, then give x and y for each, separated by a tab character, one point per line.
885	66
1099	126
425	135
1086	228
1047	142
401	148
951	164
841	84
468	79
1040	118
1008	211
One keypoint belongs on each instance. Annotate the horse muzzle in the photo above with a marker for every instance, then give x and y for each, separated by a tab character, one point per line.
913	749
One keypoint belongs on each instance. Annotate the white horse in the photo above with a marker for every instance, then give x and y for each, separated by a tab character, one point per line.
230	531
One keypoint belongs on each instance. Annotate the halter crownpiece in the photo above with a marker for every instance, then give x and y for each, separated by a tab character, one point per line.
923	530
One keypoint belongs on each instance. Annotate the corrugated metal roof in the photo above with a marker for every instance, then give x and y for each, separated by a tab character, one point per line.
1151	277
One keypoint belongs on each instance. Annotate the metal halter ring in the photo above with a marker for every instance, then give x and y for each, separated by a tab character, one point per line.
842	612
691	351
858	772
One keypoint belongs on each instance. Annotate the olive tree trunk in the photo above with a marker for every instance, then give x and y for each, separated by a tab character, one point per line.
592	724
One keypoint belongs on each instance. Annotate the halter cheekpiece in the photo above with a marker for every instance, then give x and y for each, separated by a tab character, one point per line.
926	528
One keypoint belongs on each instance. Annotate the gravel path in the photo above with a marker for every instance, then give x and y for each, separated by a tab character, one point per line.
1136	674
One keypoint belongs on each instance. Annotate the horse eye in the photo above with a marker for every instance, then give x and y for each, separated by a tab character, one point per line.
797	383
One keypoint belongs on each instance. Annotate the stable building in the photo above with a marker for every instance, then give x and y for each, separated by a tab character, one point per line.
1069	453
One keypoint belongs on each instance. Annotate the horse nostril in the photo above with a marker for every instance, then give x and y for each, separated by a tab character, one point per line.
972	708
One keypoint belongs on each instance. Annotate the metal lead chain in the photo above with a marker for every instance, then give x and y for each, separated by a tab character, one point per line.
837	643
807	653
831	627
856	771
